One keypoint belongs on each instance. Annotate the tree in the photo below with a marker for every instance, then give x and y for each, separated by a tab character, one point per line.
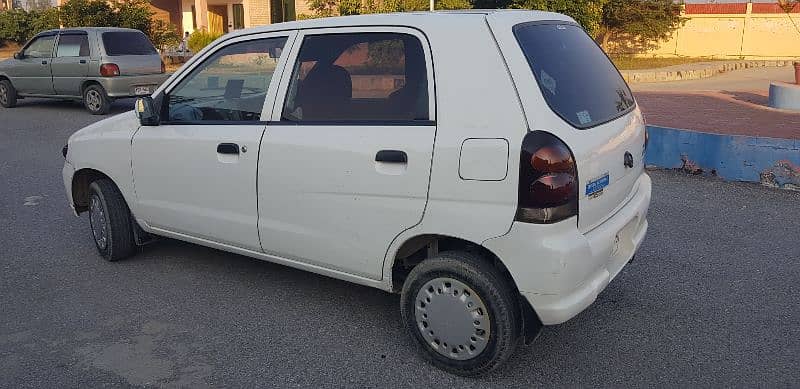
589	13
639	24
84	13
326	8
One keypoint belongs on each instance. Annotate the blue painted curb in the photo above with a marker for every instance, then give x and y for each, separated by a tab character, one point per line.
771	161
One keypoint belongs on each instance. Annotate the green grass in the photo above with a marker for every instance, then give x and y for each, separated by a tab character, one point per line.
631	63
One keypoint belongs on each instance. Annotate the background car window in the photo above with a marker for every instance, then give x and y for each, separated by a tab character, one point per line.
359	77
231	85
73	46
127	43
42	47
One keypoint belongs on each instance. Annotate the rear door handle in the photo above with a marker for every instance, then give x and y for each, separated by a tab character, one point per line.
391	156
228	148
82	61
44	62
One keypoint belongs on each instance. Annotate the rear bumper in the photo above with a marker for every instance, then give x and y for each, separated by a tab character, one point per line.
125	86
562	271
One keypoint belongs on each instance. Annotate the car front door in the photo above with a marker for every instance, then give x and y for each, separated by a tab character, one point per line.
195	173
71	63
31	73
345	166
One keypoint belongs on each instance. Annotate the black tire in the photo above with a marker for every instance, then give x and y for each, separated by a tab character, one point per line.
96	100
8	95
495	292
110	218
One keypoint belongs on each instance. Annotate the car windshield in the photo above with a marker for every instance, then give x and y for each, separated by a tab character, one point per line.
127	43
577	79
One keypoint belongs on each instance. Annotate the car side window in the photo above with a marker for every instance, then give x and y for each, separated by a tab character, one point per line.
231	85
41	47
73	45
361	77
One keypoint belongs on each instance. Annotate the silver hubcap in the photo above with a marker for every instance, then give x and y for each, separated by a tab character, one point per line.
452	318
97	219
93	100
3	94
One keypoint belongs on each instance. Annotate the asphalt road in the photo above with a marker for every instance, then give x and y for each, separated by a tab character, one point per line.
711	300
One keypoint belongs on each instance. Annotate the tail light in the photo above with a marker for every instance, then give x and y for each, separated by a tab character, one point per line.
163	67
109	70
548	180
646	138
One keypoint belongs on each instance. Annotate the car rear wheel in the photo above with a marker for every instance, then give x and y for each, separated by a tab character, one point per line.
8	95
462	312
110	221
96	100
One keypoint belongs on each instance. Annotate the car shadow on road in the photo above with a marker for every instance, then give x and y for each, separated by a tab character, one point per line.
118	106
340	303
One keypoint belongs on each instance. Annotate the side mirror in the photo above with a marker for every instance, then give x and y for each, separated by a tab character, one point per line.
146	111
19	55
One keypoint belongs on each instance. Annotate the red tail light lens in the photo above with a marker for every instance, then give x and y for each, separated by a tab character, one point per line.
109	70
163	67
548	180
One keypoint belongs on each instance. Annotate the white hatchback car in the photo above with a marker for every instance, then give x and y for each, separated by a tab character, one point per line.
485	164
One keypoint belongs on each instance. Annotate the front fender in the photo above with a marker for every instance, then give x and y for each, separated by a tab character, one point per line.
105	146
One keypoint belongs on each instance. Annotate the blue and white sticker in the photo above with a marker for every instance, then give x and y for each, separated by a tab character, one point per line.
584	117
595	187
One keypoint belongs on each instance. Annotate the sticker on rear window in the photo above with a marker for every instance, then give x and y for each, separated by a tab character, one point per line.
584	117
595	187
548	82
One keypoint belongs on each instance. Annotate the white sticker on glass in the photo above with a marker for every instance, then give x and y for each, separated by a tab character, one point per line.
584	117
548	82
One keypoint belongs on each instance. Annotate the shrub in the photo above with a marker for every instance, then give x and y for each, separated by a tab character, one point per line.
163	34
200	39
18	25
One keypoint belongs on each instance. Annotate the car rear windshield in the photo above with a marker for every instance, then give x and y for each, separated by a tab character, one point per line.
127	43
577	79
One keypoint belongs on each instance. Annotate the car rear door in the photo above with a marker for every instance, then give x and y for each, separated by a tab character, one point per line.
570	88
31	74
71	62
345	165
195	173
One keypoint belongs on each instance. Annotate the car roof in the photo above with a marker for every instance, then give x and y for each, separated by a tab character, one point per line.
85	29
413	18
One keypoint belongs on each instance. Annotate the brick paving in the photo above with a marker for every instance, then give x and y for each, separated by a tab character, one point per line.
723	112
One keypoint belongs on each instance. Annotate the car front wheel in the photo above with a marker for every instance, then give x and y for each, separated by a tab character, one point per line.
96	100
8	95
462	312
110	221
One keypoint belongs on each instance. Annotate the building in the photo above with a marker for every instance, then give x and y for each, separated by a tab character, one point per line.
223	16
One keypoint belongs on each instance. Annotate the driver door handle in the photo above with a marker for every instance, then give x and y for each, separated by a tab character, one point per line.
228	148
391	156
44	62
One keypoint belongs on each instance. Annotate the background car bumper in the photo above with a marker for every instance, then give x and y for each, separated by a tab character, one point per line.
560	270
125	86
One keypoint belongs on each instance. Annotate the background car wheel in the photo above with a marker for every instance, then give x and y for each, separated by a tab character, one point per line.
462	312
95	100
8	95
110	221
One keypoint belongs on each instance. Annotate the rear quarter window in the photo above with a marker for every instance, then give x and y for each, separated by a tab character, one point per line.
127	43
577	79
